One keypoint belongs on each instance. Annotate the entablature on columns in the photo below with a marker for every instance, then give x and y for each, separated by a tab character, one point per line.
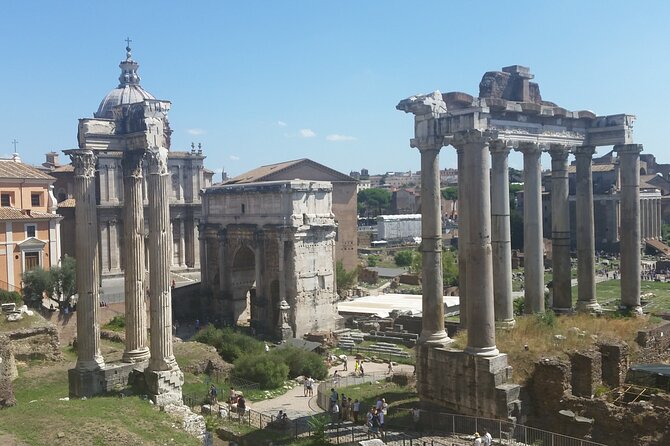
529	119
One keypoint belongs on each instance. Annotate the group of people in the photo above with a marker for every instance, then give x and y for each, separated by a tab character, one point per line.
343	409
309	386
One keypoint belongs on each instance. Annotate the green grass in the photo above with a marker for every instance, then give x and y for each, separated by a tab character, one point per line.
26	322
39	415
385	356
608	294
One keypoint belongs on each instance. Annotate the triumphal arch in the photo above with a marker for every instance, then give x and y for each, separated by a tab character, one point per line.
510	114
269	253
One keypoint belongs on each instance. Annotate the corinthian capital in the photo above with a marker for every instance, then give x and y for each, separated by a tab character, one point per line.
559	152
586	151
500	146
132	163
157	161
84	163
529	148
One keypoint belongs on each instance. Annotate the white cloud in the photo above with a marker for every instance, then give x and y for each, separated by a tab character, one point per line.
234	157
195	132
281	124
307	133
336	137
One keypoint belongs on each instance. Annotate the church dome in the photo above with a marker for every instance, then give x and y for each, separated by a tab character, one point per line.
129	90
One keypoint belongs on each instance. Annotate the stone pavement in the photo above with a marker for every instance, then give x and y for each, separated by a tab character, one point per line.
296	405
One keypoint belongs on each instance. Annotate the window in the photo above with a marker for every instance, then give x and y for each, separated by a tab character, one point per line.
35	198
32	261
30	230
5	200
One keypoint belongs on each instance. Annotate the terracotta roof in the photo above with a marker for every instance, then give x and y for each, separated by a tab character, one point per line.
594	168
7	213
67	203
12	169
64	168
264	173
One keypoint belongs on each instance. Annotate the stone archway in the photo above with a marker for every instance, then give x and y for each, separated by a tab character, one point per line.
244	292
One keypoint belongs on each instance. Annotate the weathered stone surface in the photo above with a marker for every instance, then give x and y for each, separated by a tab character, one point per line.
7	370
36	343
188	421
586	372
614	363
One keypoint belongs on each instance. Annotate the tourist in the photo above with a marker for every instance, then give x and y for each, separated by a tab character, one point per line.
361	369
335	413
344	414
487	440
356	367
380	417
374	425
349	406
174	284
333	397
357	410
385	406
212	394
336	377
345	359
310	387
390	368
477	441
241	405
232	396
380	402
416	418
197	324
306	388
267	347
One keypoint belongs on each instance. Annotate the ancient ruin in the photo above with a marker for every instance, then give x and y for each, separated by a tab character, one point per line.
509	113
269	248
140	132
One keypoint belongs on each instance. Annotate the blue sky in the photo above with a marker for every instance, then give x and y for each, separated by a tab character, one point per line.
259	82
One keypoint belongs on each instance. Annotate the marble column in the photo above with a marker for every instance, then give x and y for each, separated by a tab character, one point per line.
533	247
560	229
164	379
629	155
481	314
134	284
88	261
659	221
586	250
501	243
432	327
182	244
462	240
654	215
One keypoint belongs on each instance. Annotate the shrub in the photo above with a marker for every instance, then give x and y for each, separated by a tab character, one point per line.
404	258
548	318
373	260
261	368
518	306
230	344
301	362
118	323
8	297
344	279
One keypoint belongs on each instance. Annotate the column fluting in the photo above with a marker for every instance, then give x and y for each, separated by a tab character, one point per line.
586	250
560	229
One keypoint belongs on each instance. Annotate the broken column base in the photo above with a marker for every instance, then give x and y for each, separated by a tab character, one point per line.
467	384
110	377
164	386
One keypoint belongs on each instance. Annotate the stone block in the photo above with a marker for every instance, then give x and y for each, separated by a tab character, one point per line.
586	372
614	363
84	383
164	386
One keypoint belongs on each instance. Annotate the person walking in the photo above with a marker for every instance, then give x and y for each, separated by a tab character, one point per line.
357	410
335	414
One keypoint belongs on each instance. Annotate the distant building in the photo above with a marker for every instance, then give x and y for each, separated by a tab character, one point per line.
29	224
345	203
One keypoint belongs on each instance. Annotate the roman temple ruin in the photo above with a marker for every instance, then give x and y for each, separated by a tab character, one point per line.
509	114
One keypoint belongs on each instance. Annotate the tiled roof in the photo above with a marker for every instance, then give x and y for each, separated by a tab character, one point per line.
7	213
594	168
12	169
264	173
67	203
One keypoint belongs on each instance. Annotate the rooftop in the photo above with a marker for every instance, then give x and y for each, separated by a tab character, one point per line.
18	170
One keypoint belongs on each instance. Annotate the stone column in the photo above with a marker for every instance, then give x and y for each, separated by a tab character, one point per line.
481	320
501	243
134	284
432	328
462	240
182	244
659	221
654	216
114	251
88	261
629	155
533	247
560	229
586	250
164	379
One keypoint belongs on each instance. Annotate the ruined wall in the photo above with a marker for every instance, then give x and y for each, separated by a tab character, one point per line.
36	343
655	339
551	403
7	373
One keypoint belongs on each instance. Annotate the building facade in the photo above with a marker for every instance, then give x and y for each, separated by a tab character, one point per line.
29	224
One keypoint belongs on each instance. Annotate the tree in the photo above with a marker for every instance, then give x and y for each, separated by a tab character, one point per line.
374	201
35	283
449	267
344	279
58	284
450	193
